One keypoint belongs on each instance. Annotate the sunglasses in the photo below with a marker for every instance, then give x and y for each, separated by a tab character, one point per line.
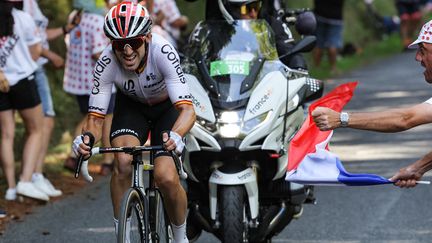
134	43
247	8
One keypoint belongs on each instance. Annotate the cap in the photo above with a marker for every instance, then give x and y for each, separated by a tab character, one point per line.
425	35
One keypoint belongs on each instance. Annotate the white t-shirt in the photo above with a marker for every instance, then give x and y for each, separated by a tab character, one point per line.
85	40
15	58
171	13
31	7
161	79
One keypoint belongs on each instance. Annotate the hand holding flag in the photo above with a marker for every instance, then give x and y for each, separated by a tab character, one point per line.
311	163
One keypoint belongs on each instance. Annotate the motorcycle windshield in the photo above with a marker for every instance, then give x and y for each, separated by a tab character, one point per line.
230	56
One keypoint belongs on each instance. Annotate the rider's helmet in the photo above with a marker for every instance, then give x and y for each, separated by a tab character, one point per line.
127	20
233	9
306	23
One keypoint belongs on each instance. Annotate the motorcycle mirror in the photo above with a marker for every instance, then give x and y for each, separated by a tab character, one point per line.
304	45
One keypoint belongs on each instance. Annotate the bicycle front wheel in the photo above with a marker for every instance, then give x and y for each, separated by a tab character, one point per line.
133	221
160	226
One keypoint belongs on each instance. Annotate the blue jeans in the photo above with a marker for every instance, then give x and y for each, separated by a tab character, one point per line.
44	91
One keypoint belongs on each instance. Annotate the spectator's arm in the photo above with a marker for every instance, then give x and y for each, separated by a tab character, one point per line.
180	23
35	50
53	57
96	56
391	120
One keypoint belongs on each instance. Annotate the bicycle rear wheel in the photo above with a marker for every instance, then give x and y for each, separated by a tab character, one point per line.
133	221
160	226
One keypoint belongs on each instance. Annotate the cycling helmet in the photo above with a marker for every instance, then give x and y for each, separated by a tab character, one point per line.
230	8
127	20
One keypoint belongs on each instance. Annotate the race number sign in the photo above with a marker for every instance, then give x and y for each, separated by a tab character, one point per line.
229	67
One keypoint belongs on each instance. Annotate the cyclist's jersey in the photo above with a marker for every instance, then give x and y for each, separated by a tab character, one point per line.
161	79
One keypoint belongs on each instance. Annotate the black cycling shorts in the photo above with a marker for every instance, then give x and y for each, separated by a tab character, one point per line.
22	95
137	119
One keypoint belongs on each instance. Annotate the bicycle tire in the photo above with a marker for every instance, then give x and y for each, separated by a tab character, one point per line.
160	227
134	207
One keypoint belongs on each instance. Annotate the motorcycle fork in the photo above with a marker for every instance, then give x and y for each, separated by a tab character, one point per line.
248	178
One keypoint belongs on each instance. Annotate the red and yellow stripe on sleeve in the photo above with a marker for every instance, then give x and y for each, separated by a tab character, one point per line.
181	102
97	115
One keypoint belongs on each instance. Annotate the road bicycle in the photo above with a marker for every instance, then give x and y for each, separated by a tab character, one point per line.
142	211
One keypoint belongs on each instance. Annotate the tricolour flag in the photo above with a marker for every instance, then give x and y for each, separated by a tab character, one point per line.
309	160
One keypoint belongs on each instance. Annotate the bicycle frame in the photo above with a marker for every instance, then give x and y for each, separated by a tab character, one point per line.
139	167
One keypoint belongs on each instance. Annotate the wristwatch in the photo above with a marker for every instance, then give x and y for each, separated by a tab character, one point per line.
344	119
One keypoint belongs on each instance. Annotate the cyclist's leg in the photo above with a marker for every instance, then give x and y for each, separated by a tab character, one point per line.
107	161
166	175
168	182
129	128
121	176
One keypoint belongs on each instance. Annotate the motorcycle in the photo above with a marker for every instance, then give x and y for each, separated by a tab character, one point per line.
248	106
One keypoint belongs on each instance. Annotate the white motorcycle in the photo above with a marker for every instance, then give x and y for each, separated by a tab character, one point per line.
248	105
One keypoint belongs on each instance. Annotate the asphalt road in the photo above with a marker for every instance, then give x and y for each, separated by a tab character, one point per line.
342	214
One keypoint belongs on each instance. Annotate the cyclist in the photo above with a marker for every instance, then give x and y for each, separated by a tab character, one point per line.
152	95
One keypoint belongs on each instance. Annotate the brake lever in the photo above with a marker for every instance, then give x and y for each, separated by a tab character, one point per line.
81	157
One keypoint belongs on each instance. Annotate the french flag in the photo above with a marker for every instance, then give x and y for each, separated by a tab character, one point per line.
311	163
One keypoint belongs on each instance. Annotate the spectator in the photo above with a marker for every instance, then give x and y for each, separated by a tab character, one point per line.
171	19
31	7
329	30
392	120
19	48
85	43
410	18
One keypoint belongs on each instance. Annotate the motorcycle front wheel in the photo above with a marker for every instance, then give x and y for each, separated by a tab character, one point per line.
231	214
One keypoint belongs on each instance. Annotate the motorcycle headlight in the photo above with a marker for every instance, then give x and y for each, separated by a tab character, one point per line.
230	124
230	130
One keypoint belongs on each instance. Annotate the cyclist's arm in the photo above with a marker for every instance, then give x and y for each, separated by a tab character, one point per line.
100	96
178	89
94	125
185	120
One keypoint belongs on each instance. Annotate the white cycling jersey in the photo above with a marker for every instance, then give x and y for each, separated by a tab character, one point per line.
161	79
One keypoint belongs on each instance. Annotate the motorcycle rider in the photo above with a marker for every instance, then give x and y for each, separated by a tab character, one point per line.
254	9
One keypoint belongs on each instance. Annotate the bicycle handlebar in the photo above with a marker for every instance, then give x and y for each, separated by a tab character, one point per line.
129	150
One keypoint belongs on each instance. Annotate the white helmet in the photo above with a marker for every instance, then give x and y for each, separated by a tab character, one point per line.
127	20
